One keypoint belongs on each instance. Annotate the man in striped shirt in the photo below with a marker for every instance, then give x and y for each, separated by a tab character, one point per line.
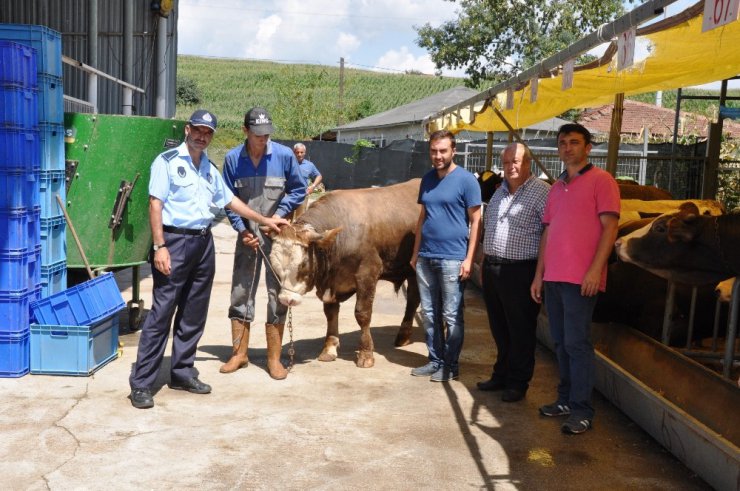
512	230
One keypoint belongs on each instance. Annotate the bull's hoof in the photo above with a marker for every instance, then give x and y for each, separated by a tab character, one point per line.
365	359
403	339
324	356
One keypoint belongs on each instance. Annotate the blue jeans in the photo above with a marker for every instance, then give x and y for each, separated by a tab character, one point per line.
441	293
569	314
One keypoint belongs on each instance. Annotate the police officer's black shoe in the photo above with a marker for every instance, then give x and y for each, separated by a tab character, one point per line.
491	385
191	385
141	398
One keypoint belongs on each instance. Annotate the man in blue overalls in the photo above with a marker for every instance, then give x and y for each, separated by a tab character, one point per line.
265	175
183	187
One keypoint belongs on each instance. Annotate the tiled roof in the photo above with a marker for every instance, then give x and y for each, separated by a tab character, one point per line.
659	121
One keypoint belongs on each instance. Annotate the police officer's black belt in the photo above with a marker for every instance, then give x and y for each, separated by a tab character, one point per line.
503	260
187	231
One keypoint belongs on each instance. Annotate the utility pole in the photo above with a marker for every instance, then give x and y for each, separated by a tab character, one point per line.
341	91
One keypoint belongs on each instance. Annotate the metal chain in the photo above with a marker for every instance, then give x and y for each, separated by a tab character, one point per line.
291	346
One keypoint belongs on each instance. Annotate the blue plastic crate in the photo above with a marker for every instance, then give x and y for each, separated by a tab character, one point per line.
53	241
14	353
51	100
15	311
17	64
14	271
51	183
34	228
20	149
52	146
46	42
53	279
18	230
73	350
18	190
34	270
19	107
81	305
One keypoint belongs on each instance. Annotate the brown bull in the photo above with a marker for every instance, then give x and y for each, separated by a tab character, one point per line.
342	246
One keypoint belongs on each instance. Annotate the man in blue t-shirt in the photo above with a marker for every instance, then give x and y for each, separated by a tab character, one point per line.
309	172
446	237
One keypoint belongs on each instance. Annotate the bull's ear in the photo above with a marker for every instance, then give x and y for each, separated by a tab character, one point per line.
683	228
326	239
688	208
268	231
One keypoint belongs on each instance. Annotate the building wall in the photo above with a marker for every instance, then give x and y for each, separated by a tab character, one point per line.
71	18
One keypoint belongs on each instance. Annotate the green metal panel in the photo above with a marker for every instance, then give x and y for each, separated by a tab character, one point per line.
101	151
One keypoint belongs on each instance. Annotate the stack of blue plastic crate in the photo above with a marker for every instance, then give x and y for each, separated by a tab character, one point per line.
51	179
20	246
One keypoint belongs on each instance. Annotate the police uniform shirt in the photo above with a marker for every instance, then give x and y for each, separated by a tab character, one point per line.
188	193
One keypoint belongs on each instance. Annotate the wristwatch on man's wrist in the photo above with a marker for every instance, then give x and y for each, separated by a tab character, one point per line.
157	247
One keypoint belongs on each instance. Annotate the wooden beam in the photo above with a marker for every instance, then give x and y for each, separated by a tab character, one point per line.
518	138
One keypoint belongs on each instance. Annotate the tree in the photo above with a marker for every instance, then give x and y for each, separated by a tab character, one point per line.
496	39
188	92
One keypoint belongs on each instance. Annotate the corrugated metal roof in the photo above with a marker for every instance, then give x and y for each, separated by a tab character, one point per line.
413	112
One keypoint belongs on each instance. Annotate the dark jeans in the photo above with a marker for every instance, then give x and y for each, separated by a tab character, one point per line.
569	314
512	317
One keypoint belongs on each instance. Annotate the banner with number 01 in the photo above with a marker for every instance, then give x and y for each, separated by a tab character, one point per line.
719	12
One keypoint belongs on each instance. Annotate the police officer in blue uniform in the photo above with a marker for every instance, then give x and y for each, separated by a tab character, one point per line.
184	185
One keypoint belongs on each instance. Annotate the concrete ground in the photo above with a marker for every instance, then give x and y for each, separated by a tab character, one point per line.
327	426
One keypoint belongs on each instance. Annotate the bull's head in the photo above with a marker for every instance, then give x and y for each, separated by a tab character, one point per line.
296	258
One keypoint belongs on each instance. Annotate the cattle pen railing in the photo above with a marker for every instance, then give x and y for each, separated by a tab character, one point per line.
680	174
727	356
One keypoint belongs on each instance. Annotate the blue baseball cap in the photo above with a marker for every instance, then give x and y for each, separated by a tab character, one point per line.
201	117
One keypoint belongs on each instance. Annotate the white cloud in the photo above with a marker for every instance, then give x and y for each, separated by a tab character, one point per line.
347	43
263	43
403	60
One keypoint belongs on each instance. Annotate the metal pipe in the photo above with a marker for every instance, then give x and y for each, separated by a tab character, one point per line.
92	53
732	329
128	53
668	313
128	101
715	326
692	313
161	102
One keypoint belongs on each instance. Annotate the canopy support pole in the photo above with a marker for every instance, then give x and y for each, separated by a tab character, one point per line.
518	138
615	135
489	150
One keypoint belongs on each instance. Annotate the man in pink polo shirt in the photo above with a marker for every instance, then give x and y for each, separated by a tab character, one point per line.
581	218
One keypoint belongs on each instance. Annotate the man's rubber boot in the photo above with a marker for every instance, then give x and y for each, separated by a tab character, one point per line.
240	342
274	335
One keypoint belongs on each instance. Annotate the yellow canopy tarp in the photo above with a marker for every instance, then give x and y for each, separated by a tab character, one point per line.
679	56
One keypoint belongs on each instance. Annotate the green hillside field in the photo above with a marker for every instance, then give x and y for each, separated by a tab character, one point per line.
302	99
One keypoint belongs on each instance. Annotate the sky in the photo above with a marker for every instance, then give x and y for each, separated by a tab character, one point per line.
369	34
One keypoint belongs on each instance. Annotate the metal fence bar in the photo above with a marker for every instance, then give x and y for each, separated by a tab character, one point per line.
732	329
